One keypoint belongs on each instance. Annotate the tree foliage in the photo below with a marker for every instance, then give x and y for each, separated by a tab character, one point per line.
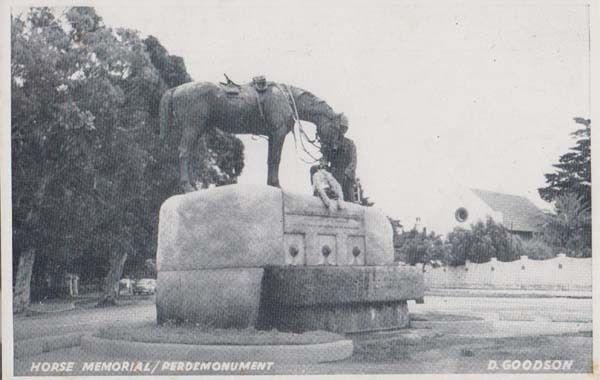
220	159
88	170
415	247
483	241
569	228
570	187
573	170
538	249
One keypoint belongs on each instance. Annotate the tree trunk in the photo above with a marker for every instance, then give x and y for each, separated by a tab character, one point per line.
69	280
22	289
111	282
76	286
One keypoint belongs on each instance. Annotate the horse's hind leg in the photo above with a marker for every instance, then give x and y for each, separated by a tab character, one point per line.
188	142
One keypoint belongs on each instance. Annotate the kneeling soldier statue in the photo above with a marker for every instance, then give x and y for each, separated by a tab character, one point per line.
343	167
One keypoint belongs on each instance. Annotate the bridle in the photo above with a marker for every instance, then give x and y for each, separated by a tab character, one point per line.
298	132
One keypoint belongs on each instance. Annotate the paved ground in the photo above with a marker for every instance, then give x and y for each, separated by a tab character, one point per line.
510	293
81	319
539	329
508	308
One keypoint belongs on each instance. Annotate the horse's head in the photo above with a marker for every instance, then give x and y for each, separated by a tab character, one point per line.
332	130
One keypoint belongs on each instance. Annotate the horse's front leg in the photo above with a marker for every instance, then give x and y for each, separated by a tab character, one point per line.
274	158
188	141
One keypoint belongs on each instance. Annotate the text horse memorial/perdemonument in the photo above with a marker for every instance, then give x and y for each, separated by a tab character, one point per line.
257	256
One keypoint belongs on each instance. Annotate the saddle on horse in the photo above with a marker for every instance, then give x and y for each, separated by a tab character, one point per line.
259	83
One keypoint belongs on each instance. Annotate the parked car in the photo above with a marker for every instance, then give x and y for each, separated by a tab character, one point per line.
125	286
145	286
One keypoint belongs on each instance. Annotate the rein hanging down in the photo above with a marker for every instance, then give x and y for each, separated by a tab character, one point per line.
298	130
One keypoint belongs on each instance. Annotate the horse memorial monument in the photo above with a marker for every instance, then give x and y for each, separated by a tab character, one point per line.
262	258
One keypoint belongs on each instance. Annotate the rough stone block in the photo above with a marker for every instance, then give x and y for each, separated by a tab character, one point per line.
379	238
221	298
339	299
345	318
224	227
339	285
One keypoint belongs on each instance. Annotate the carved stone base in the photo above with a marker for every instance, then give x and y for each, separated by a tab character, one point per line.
339	299
342	318
255	256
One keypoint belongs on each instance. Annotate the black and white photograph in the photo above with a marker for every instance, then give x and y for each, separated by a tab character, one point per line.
283	188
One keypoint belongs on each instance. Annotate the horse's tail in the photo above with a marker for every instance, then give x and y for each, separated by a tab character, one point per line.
166	112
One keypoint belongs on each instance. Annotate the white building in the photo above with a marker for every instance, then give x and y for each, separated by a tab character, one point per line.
463	207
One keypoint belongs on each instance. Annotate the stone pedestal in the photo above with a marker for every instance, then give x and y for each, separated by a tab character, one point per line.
340	318
340	299
222	298
324	270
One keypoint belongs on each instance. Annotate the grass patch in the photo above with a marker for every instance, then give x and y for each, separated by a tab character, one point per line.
189	334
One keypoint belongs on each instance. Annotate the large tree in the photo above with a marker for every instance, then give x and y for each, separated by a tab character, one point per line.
51	138
573	170
78	107
89	172
570	187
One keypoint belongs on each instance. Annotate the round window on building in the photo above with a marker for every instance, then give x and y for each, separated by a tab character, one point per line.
461	214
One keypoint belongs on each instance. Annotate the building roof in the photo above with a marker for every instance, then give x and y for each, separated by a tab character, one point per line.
519	213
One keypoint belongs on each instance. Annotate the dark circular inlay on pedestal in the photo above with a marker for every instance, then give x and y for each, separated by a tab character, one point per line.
294	251
326	250
356	251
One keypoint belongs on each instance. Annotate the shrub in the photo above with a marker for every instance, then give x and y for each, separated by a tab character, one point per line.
419	247
480	243
569	228
537	249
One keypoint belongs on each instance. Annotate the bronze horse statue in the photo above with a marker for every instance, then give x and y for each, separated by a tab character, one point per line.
269	111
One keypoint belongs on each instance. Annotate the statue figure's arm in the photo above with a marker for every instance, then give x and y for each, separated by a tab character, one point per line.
319	186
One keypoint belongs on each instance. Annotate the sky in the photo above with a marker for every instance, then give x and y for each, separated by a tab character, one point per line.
439	97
